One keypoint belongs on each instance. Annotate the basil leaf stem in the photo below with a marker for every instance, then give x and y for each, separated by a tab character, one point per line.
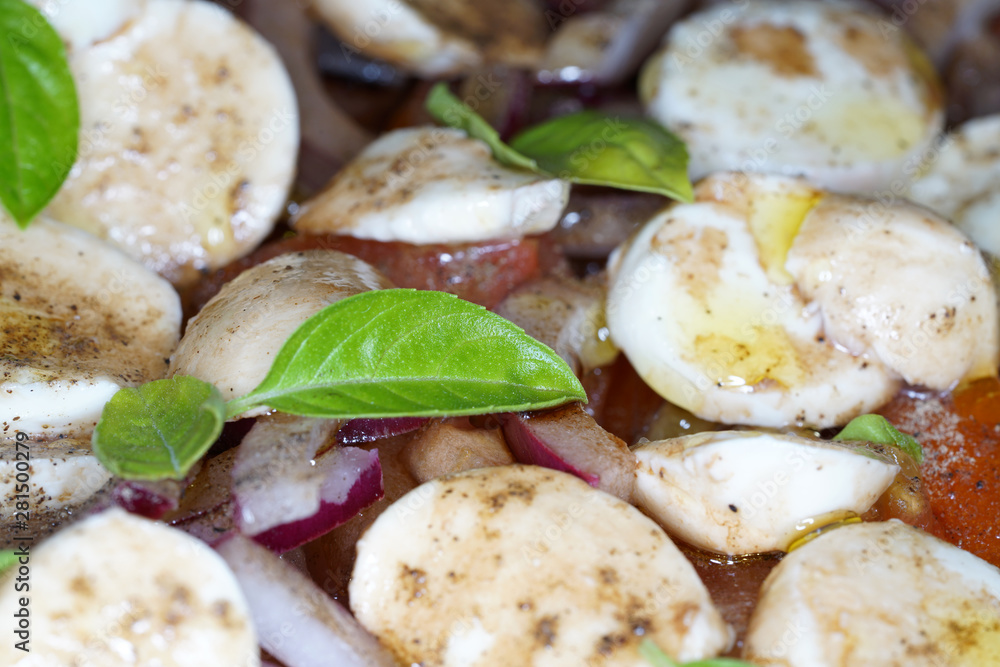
587	147
448	109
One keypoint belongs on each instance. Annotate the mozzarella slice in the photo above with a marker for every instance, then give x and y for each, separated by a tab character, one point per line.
189	133
768	302
438	38
798	88
519	565
902	284
700	303
877	594
63	473
432	185
233	341
116	589
960	181
82	23
78	321
745	492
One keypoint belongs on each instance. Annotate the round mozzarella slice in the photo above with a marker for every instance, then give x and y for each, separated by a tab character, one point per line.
902	284
700	303
744	492
78	321
438	38
797	88
961	181
877	594
82	23
519	565
432	185
61	474
189	134
768	302
233	341
116	589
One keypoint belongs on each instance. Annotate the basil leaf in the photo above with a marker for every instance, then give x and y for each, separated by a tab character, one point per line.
877	429
594	149
448	109
39	114
401	352
159	430
8	559
656	657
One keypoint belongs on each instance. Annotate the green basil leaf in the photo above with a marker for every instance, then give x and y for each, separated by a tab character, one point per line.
401	352
448	109
8	559
654	655
877	429
159	430
657	658
39	114
595	149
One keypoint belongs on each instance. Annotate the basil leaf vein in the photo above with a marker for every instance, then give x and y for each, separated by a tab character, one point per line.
39	112
159	430
422	354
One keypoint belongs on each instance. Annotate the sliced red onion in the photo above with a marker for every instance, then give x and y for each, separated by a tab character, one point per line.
296	621
289	487
569	439
206	507
369	430
210	525
149	499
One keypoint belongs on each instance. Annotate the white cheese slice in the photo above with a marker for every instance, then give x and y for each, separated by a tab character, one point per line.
528	566
745	492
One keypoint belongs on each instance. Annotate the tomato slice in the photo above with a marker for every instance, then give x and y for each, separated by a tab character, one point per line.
482	273
960	434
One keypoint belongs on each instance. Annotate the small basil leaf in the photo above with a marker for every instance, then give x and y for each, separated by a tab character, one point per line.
595	149
877	429
39	114
8	559
448	109
657	658
654	655
159	430
398	352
